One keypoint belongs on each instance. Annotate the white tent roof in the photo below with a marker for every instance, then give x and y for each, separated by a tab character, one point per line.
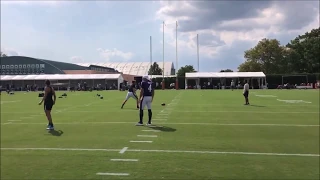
133	68
225	74
60	77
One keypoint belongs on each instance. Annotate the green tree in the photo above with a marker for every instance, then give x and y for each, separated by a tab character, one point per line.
266	56
304	52
155	69
226	70
186	69
2	54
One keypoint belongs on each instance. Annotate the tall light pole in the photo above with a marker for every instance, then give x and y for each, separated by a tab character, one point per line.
163	85
151	53
177	86
198	52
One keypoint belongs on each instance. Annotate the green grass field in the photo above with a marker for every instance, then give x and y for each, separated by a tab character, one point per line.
199	134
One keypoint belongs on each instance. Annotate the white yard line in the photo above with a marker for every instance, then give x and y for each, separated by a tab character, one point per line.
152	136
189	111
166	151
112	174
14	120
125	160
151	130
141	141
123	150
176	123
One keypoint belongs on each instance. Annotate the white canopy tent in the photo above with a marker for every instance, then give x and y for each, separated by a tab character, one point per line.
65	77
260	76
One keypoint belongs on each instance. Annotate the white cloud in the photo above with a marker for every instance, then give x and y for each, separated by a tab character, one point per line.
10	51
266	21
108	54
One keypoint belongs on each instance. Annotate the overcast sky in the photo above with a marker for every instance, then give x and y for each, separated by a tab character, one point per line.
110	31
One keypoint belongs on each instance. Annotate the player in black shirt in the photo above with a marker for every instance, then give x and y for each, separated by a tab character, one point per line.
146	98
131	93
48	103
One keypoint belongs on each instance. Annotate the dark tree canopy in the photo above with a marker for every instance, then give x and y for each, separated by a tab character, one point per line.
226	70
186	69
155	69
3	55
301	55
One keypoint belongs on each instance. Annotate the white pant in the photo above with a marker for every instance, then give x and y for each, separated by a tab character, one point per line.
131	95
146	101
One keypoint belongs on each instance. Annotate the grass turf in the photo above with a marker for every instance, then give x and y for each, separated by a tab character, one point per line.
199	129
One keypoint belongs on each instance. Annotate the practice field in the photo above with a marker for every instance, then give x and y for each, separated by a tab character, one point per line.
199	134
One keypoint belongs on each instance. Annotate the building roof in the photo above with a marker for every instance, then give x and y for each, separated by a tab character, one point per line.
133	68
59	77
225	74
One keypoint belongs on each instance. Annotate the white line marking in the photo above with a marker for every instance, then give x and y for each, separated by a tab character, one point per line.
123	150
173	123
163	114
14	120
126	160
151	130
113	174
189	111
7	123
147	136
166	151
141	141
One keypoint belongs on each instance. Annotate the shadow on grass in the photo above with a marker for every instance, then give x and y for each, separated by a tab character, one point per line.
162	128
55	133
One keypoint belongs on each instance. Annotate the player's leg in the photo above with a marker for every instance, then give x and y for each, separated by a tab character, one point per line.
248	98
136	97
47	110
124	102
149	103
142	105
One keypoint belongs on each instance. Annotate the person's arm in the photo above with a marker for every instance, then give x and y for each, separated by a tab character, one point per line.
141	93
45	95
54	95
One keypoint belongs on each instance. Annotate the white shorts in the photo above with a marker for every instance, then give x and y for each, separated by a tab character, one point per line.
146	101
131	95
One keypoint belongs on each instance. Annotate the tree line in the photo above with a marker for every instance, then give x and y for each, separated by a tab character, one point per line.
300	56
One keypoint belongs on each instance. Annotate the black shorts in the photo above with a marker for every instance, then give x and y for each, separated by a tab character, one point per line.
246	94
48	106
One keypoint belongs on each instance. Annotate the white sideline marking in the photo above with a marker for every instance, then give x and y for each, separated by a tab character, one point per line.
294	101
213	124
123	150
253	112
147	135
159	119
151	130
14	120
166	151
113	174
126	160
141	141
7	123
162	114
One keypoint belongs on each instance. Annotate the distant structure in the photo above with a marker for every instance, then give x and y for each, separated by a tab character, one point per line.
21	65
134	68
